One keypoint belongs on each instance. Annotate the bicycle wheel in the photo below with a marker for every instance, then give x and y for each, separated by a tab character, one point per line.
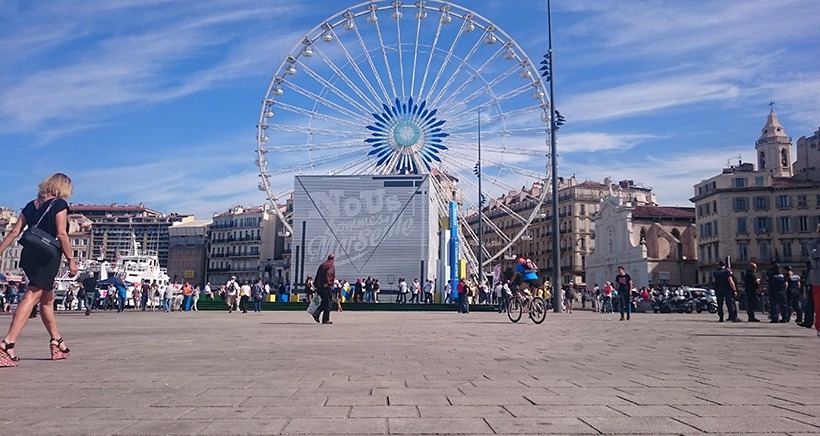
538	310
515	309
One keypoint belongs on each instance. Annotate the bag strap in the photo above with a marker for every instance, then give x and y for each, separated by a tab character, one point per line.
51	203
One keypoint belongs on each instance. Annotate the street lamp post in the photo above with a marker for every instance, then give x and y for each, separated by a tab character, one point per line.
480	207
556	253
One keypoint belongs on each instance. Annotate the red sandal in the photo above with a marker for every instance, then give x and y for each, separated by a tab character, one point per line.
58	353
6	359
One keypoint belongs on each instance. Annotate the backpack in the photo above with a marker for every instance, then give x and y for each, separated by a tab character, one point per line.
531	266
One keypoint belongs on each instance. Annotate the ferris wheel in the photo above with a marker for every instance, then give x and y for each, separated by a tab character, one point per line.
404	88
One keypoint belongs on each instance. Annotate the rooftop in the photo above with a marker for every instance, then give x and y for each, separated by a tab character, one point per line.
663	212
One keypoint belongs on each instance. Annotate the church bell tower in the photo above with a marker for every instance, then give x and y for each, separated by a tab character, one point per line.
774	149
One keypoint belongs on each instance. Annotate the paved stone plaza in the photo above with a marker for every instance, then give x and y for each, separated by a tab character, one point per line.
412	373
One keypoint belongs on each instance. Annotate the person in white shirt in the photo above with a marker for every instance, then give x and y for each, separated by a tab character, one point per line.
244	296
428	291
208	291
231	290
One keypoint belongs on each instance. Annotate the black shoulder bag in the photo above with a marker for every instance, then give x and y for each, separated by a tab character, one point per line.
39	240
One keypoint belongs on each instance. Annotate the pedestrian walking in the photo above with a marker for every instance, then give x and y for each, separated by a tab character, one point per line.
325	279
725	291
624	286
415	291
231	291
751	284
47	214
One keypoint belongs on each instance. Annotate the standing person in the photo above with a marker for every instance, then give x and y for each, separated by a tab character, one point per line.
146	294
428	291
310	289
415	291
401	296
376	289
231	290
167	295
194	299
209	293
793	286
122	295
49	213
368	290
777	294
607	298
814	280
462	289
725	289
187	293
244	296
624	286
750	286
325	279
448	291
258	295
155	296
569	295
358	291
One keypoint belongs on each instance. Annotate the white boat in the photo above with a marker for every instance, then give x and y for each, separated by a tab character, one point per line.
140	266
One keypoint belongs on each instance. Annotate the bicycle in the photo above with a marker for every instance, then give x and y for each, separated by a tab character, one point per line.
535	306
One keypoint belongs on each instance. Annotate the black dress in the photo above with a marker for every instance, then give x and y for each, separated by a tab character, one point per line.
39	270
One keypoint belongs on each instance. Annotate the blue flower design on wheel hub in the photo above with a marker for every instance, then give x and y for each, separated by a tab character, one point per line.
406	137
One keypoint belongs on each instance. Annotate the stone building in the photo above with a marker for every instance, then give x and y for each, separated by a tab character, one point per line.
577	203
10	259
114	226
761	215
656	245
243	241
187	251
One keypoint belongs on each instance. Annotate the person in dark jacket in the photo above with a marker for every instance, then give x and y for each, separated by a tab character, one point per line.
777	294
751	284
325	276
725	290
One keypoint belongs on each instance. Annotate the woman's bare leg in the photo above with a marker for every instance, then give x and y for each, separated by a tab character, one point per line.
47	314
21	315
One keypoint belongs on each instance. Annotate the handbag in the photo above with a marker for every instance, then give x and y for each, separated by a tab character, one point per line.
40	240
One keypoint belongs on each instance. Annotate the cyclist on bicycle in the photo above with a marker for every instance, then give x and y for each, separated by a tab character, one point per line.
525	277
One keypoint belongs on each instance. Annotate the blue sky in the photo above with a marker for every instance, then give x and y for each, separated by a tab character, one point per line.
157	101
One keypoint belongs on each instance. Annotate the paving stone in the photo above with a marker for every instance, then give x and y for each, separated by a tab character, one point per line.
545	425
336	426
749	424
421	426
166	426
357	400
384	412
641	425
532	411
462	411
485	400
295	401
244	426
418	400
302	412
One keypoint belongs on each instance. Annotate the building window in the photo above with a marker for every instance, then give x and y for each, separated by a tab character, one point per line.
741	226
743	250
762	160
714	207
762	224
804	248
784	224
784	201
802	201
803	223
764	251
761	203
739	182
707	209
741	203
786	246
759	181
